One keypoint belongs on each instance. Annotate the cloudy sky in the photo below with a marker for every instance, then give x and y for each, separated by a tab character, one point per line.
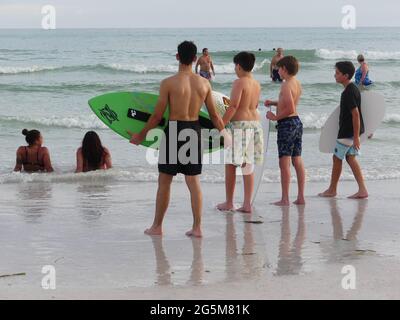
197	14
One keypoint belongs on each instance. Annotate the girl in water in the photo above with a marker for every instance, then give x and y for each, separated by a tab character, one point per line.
34	157
92	155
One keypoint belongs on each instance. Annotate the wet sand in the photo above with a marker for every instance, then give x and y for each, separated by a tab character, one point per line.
92	233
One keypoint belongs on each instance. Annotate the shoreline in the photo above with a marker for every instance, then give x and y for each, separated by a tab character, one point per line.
100	252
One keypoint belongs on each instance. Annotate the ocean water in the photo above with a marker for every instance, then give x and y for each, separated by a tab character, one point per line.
47	77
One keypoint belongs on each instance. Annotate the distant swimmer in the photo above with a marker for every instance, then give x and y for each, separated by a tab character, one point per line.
34	157
362	73
274	69
92	155
206	65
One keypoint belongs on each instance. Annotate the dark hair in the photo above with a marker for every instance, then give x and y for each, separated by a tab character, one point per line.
31	136
92	150
290	63
346	67
360	58
205	49
187	51
246	60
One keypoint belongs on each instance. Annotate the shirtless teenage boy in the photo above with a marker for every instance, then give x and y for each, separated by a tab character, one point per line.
290	129
247	132
185	92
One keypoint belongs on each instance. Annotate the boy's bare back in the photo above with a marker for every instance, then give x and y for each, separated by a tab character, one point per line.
289	96
186	93
245	96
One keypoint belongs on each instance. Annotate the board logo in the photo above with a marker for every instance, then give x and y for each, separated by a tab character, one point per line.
109	114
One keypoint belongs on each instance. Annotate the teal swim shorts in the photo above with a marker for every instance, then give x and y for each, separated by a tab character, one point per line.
342	150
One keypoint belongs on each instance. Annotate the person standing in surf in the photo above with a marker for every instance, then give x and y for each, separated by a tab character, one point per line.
274	69
247	132
351	126
34	157
206	65
184	93
290	129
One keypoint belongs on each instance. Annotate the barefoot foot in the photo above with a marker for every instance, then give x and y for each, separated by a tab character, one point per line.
328	194
282	203
245	209
359	195
196	233
153	231
300	202
226	207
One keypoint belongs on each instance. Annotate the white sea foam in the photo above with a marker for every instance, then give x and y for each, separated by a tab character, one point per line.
83	122
392	118
29	69
150	175
352	54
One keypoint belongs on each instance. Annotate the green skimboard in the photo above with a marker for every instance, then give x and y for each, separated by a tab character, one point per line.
129	111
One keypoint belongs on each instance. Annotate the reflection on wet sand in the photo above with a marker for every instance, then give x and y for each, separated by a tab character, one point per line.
34	200
248	263
290	261
344	245
94	200
163	269
338	233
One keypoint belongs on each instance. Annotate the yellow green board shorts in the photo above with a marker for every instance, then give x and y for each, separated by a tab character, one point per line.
247	143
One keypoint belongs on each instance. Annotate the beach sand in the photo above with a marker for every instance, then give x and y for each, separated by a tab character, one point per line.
92	233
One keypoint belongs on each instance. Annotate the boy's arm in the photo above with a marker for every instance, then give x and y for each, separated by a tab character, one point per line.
155	118
212	67
197	66
356	128
286	105
212	111
236	96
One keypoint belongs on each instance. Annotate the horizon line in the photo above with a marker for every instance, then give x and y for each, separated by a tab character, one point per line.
198	28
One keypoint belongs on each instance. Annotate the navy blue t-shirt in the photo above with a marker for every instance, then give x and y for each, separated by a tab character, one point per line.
350	99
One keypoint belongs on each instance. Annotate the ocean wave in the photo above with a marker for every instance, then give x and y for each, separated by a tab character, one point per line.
392	119
352	54
150	175
19	70
81	122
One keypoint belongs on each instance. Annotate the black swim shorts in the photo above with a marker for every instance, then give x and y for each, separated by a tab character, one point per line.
181	149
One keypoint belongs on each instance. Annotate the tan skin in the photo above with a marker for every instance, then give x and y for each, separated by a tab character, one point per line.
245	96
184	93
205	63
289	98
351	160
275	60
33	150
80	167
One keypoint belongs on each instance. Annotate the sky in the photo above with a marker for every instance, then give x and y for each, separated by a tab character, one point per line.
197	14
